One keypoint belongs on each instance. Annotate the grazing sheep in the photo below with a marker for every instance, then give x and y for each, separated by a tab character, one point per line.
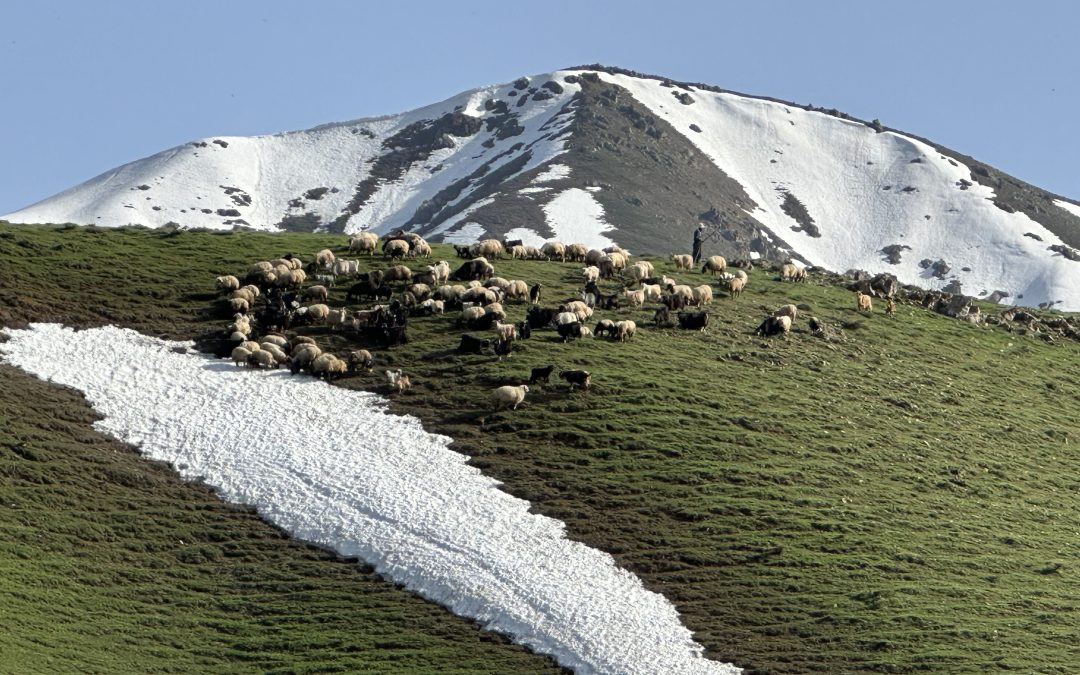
863	303
563	318
314	313
792	272
277	352
662	318
605	327
694	320
652	292
702	295
318	293
239	305
634	298
624	330
591	273
346	268
683	261
533	253
338	319
553	250
227	283
542	373
470	344
399	382
420	248
432	306
569	331
361	359
674	301
517	252
506	331
328	366
714	265
396	248
787	310
735	287
576	252
488	248
276	340
324	259
420	291
441	271
577	378
741	274
397	272
509	395
683	290
240	356
303	340
774	325
237	336
579	308
259	267
262	359
364	242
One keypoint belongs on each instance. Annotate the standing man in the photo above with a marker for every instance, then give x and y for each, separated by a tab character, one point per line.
699	235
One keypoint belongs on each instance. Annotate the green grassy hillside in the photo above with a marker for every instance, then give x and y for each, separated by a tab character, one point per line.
901	499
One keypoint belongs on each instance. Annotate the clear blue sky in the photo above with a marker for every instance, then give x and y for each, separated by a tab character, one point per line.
86	86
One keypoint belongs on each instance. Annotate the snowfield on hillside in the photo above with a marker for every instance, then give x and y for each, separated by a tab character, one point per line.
866	191
331	467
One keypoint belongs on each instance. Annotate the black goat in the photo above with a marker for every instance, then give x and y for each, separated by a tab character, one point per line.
543	373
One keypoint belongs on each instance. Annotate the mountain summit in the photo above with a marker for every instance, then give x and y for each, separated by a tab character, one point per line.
601	155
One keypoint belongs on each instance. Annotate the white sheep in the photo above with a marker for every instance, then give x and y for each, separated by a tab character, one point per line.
714	265
324	259
787	310
509	395
506	331
262	359
364	242
683	261
591	273
563	318
702	295
634	298
227	283
652	292
553	250
317	312
319	293
278	340
624	330
240	356
517	252
441	270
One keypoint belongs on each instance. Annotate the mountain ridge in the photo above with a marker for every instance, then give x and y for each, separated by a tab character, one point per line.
605	155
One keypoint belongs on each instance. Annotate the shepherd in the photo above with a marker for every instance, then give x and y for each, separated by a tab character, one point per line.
699	236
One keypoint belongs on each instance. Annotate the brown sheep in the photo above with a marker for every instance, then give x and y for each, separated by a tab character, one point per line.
863	303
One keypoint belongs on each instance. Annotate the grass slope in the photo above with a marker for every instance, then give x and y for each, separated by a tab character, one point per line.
901	500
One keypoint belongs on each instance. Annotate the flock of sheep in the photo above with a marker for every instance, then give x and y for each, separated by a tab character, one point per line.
473	289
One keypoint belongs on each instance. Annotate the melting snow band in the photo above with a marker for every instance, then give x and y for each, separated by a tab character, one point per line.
331	467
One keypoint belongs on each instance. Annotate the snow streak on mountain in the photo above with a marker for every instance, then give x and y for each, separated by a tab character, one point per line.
599	155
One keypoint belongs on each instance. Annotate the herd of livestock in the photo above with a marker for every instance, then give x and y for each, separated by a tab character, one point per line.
274	298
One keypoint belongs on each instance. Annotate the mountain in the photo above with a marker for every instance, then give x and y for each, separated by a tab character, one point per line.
602	155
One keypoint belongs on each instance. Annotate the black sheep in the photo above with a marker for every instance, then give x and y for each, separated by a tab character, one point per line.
504	348
543	373
539	317
524	330
568	331
577	378
471	344
694	320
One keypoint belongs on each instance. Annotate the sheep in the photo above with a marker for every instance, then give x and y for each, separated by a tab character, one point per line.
315	313
577	378
399	382
346	268
787	310
364	242
337	318
506	331
605	326
741	274
714	265
517	290
237	336
593	257
318	293
441	271
736	286
262	359
624	330
396	248
420	248
517	252
241	324
554	249
571	330
792	272
328	366
683	261
302	340
634	298
702	295
397	273
576	252
863	303
276	340
774	325
591	273
690	320
683	290
541	373
579	308
890	307
239	305
470	344
420	291
533	253
563	318
240	356
534	293
302	356
260	267
277	352
509	395
324	259
361	359
488	248
432	306
227	283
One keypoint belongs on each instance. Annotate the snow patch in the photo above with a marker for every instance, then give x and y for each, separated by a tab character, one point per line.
576	217
553	173
333	468
1068	206
468	233
527	236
